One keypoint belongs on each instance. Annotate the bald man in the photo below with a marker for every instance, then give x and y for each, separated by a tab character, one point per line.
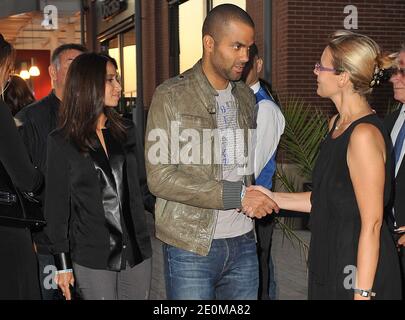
209	245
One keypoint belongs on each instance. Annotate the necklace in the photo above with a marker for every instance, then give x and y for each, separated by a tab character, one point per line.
337	127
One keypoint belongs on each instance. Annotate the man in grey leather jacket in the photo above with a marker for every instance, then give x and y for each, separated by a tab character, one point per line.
196	151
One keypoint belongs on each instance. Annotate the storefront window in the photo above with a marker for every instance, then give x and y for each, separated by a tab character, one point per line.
122	48
191	18
239	3
129	76
114	51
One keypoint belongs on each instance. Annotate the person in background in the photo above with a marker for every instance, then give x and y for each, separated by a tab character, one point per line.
352	254
18	94
18	267
269	122
96	189
395	123
38	120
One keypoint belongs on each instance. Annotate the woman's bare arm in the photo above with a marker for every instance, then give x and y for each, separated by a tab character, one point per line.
366	162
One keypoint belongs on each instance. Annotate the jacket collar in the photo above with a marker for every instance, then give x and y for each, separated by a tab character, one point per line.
207	91
52	96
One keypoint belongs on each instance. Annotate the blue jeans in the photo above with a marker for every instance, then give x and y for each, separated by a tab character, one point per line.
230	271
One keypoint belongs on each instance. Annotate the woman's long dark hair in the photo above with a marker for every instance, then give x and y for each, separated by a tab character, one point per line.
18	94
83	102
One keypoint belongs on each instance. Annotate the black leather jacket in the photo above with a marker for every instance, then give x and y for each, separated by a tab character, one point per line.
94	206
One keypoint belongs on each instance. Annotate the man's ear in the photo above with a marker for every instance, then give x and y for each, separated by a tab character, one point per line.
259	65
208	43
52	72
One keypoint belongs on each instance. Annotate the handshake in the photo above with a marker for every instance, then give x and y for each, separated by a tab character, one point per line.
257	202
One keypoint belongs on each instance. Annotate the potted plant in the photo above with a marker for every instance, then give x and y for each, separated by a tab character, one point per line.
305	128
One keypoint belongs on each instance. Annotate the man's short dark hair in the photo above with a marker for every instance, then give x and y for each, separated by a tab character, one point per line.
64	47
222	15
253	51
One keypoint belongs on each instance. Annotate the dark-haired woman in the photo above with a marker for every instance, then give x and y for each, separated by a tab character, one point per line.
18	265
96	189
18	94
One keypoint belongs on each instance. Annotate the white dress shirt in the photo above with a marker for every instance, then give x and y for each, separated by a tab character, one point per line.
270	127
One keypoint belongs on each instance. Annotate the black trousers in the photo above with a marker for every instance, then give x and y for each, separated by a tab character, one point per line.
18	265
402	262
264	231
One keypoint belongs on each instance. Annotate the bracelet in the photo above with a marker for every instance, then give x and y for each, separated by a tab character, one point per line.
64	271
364	293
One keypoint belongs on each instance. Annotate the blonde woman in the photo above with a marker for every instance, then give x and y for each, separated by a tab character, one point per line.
352	254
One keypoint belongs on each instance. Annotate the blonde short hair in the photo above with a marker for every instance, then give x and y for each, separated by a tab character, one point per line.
361	57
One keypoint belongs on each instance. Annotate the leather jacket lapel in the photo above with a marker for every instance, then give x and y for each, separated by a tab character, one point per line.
107	169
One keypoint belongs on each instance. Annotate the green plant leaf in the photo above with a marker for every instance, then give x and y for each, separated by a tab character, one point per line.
293	237
306	126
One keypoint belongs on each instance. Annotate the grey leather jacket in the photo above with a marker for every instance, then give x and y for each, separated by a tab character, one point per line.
189	194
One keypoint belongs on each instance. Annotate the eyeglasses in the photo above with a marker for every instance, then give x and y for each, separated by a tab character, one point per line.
318	67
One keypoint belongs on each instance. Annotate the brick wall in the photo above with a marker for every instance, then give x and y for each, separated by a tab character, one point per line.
300	32
255	10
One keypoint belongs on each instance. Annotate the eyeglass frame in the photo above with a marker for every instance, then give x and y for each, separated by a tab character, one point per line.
318	67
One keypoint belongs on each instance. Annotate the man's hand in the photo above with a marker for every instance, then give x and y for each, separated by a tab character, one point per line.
256	204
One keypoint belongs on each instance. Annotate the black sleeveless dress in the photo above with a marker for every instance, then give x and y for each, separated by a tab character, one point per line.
335	225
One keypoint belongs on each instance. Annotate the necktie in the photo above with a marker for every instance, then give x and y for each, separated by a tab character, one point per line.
399	142
397	151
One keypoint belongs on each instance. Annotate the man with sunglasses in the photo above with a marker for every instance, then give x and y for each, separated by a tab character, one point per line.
395	123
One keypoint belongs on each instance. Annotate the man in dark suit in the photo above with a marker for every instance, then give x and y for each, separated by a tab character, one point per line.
396	125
